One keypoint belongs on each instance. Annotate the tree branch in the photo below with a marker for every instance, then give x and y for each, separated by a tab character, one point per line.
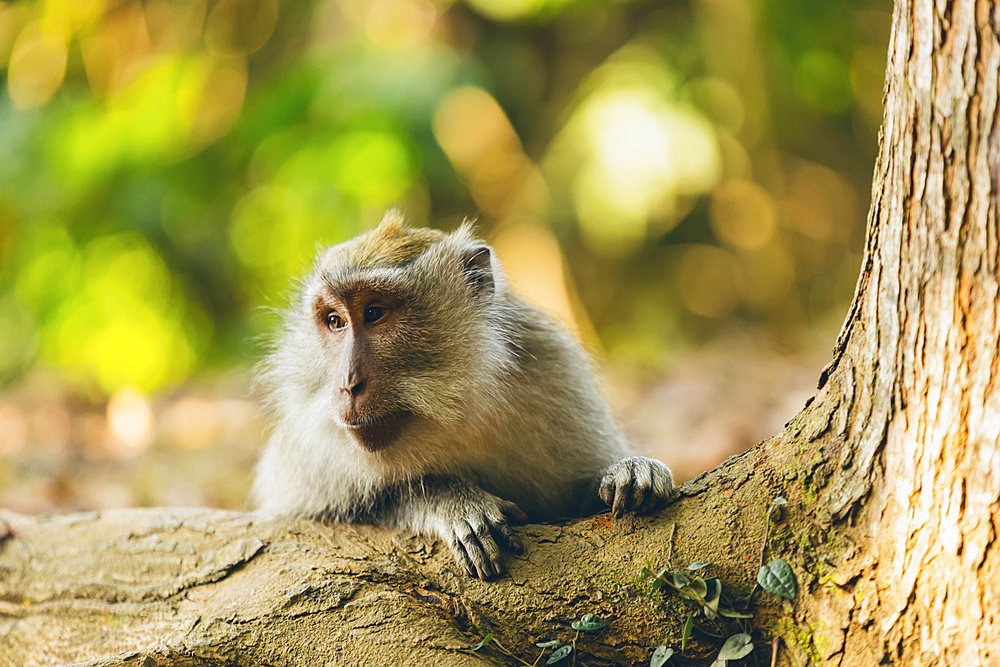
205	587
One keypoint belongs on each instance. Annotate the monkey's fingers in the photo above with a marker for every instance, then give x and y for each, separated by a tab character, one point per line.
638	484
663	490
489	546
607	490
616	487
509	537
461	557
642	484
500	521
622	492
480	550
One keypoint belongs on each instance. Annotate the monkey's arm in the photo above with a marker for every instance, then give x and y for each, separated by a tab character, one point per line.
471	521
637	484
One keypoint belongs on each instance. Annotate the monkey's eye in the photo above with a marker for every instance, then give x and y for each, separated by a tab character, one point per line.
374	313
334	321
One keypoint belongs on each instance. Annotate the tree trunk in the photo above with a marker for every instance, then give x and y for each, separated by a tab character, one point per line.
892	473
912	395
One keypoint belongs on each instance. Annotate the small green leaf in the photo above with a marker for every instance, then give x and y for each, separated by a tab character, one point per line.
679	579
559	654
732	613
777	577
713	590
482	642
645	572
705	592
779	501
736	647
589	623
697	589
698	564
548	644
660	656
712	597
686	635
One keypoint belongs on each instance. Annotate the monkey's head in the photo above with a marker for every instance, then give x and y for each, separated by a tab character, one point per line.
404	328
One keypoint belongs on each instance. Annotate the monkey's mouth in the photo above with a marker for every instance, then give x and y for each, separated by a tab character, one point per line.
376	432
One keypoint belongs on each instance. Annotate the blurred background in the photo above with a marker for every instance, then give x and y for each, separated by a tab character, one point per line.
685	183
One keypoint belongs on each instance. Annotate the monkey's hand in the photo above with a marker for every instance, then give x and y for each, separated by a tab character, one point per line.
471	521
637	484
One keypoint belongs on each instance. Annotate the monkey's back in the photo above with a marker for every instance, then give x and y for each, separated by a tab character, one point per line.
556	432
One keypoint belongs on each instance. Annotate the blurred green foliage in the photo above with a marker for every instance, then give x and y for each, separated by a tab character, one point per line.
652	171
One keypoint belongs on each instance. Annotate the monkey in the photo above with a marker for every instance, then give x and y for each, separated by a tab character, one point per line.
412	388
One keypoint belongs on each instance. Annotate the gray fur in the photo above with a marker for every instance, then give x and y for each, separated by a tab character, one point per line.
509	420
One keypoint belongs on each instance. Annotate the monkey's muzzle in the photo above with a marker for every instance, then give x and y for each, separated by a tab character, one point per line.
377	433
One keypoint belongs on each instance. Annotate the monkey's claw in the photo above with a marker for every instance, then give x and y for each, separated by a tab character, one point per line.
637	484
473	539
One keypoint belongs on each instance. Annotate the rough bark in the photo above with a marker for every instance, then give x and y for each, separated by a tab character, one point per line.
208	587
892	473
912	392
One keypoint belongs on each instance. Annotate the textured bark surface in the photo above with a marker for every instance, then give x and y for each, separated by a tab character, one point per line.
912	574
206	587
892	473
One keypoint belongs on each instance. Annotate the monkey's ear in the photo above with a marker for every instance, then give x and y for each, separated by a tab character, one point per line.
478	269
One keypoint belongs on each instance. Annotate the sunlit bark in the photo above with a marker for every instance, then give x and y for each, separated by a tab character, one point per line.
913	387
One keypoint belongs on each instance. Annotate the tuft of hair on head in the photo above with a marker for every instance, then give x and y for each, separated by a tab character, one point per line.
391	243
393	221
468	228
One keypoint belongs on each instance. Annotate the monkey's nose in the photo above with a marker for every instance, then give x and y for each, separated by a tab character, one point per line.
355	385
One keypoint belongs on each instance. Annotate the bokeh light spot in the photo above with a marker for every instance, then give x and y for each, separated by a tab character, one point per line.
240	27
37	64
121	325
10	23
373	167
76	13
13	429
211	96
400	23
706	280
18	336
507	10
192	423
49	266
130	422
765	278
742	215
533	262
478	138
470	126
819	203
642	153
270	230
115	49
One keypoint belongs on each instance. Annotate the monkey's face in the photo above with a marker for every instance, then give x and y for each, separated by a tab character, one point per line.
406	335
361	330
